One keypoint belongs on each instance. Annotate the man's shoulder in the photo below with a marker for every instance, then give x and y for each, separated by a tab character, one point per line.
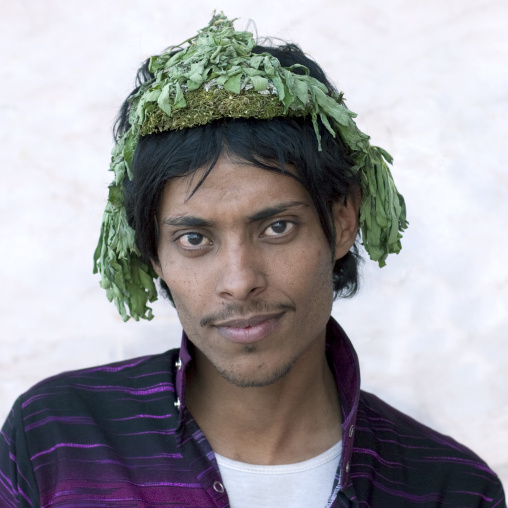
131	378
101	433
408	460
388	428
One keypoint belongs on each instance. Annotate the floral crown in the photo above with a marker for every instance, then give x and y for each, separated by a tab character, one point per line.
215	75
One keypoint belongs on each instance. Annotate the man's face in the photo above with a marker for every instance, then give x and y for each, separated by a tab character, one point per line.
249	269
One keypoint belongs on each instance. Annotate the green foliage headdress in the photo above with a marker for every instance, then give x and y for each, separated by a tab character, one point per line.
215	75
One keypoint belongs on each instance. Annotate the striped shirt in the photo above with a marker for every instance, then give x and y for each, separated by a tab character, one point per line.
120	435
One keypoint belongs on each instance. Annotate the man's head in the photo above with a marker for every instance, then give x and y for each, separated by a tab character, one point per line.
223	97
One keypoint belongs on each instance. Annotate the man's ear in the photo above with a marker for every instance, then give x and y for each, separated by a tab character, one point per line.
346	218
157	267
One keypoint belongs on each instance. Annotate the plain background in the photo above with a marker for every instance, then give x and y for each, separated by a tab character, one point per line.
429	80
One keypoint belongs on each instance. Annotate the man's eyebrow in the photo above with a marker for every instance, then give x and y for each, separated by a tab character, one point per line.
271	211
188	221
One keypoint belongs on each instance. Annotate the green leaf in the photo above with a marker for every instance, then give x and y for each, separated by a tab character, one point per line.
326	123
129	148
152	95
193	85
252	72
195	79
260	84
163	100
179	101
222	79
268	66
384	153
115	195
304	69
233	84
279	85
255	61
301	90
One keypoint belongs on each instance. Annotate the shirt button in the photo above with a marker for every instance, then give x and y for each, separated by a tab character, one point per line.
178	364
218	487
351	430
177	403
347	467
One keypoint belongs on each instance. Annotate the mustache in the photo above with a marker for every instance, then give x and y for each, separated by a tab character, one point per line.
237	310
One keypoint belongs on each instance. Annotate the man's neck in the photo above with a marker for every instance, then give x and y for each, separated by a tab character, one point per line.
291	420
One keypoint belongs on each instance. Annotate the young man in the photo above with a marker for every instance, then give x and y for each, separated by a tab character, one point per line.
241	181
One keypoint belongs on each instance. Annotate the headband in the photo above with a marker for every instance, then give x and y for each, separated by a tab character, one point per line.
215	75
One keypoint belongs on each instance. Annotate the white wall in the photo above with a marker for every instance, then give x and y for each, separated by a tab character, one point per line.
429	80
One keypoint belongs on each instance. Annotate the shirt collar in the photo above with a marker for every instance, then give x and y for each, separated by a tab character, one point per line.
343	361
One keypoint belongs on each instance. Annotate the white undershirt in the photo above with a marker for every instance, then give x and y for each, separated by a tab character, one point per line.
306	484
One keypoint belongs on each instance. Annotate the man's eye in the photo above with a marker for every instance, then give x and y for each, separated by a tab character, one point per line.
278	228
192	240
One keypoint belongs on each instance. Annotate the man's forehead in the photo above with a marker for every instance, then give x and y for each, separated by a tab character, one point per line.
231	190
233	185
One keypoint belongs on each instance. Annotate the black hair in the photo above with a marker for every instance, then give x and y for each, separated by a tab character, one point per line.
267	144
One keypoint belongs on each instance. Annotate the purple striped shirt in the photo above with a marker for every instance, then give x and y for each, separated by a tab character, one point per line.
113	435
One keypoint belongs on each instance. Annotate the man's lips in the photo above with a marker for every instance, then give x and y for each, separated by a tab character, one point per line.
246	322
251	329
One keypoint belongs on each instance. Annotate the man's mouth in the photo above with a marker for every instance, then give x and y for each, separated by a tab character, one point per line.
245	322
248	329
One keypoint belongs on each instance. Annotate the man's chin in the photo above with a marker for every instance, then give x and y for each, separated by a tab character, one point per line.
255	380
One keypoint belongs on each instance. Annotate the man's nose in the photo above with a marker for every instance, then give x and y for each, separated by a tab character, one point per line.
241	272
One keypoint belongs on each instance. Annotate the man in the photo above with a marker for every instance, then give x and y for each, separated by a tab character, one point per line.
241	181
